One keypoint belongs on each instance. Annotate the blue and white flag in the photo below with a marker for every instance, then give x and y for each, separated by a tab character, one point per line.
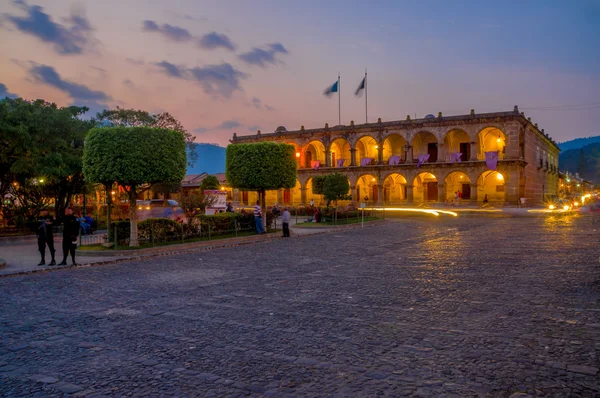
332	89
361	87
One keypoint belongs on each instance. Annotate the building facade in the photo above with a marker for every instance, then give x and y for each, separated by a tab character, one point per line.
423	160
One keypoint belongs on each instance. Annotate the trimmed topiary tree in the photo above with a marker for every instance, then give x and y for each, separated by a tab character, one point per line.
260	167
317	184
335	187
132	156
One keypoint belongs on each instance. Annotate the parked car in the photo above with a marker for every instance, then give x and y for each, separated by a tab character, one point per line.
157	208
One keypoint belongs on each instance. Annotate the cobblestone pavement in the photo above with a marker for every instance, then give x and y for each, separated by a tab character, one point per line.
423	307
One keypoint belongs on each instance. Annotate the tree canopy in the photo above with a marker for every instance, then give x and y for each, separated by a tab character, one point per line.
132	156
336	187
209	182
139	118
261	166
317	184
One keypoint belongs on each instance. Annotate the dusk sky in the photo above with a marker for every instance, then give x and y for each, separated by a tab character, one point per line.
237	66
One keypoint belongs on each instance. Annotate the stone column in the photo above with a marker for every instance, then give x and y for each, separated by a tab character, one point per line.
380	154
379	195
280	197
355	199
352	156
409	194
327	158
441	157
409	154
303	196
474	193
441	193
473	151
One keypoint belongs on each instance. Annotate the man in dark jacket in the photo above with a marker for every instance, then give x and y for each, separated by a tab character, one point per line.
70	233
45	236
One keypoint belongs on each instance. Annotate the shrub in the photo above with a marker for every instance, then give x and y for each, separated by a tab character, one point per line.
159	230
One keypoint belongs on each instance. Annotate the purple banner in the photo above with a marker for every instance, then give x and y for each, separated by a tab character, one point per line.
365	161
422	159
455	157
491	160
340	162
394	160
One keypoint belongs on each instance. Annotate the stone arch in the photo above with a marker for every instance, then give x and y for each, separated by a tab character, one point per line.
313	151
491	139
425	187
457	181
457	141
423	143
393	145
340	150
310	195
493	184
366	187
366	147
394	188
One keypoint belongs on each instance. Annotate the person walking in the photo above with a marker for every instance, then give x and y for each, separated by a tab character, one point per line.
45	236
285	219
258	218
70	233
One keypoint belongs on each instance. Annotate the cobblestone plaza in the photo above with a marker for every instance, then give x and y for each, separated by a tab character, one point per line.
422	306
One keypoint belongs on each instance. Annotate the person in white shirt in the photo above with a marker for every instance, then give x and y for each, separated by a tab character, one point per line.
258	218
285	219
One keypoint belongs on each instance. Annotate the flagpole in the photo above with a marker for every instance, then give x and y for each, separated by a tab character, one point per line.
339	101
366	109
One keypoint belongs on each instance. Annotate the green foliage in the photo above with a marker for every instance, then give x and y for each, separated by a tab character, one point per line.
123	231
209	182
585	161
138	118
261	166
194	203
317	184
134	155
159	229
41	142
336	187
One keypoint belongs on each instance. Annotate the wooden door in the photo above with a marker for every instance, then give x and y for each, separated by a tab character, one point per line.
286	196
466	191
245	197
307	159
432	191
333	160
375	195
432	150
465	149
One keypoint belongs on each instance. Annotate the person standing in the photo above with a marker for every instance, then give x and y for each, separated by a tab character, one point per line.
258	218
70	233
45	236
285	219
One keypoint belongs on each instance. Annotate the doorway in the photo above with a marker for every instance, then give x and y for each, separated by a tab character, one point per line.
466	191
307	160
432	150
286	196
465	149
432	191
375	195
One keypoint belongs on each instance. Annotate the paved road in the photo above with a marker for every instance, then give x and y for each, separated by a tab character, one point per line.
454	307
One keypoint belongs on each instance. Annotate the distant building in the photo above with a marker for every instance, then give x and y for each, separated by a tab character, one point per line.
423	160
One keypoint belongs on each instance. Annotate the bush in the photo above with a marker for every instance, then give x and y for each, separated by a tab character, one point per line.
123	229
159	230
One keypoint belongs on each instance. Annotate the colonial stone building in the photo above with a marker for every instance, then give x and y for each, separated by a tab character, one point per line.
502	156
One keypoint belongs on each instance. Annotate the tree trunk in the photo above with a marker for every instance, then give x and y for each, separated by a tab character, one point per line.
108	209
263	206
133	236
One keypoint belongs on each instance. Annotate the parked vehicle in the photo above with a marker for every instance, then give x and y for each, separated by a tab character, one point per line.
157	208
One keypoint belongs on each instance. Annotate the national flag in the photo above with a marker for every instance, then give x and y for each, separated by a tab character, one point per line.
361	87
332	89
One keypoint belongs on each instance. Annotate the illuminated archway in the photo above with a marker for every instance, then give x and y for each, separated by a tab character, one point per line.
457	182
367	189
425	187
366	148
424	143
394	189
394	146
310	195
340	150
457	141
491	139
293	195
314	151
492	184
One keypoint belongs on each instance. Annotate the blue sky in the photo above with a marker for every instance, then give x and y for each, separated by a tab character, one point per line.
238	66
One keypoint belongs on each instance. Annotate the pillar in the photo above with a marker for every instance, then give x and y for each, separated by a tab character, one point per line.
409	154
303	196
355	198
474	193
327	158
441	156
279	196
473	151
409	194
379	194
441	193
352	156
379	154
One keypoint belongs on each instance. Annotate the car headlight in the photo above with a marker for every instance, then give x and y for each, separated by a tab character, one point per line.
566	207
576	203
551	207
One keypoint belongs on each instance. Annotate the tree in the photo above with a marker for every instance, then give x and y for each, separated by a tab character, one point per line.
138	118
132	156
41	142
335	187
317	184
209	182
260	167
194	203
